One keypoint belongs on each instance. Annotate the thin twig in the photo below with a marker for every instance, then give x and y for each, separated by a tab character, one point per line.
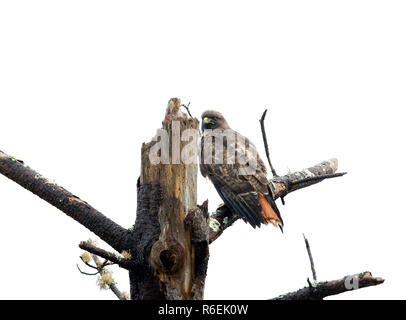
88	274
87	263
309	252
187	108
261	121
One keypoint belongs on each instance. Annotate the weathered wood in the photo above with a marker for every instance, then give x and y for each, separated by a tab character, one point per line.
172	255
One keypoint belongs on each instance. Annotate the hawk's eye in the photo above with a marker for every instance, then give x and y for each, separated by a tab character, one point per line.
215	118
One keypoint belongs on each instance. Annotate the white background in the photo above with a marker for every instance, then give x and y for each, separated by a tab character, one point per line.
84	83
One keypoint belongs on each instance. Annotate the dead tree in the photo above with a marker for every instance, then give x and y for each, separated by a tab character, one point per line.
166	251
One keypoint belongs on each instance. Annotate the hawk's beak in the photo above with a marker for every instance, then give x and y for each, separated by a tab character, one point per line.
207	120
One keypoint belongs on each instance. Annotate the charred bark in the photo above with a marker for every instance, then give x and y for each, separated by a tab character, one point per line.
109	231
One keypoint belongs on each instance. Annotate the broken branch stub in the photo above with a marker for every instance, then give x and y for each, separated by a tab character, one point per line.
171	255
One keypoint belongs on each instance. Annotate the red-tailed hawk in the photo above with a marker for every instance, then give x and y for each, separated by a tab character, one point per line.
233	165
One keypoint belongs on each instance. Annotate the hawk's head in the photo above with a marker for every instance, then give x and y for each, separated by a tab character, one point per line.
213	120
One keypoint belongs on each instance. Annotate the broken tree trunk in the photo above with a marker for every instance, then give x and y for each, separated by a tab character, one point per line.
168	182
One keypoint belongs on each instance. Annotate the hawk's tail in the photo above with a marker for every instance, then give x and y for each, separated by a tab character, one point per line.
270	211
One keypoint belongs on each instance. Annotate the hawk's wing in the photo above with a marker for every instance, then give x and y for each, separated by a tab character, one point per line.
257	178
240	198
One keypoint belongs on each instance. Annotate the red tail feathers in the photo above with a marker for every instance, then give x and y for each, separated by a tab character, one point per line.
268	213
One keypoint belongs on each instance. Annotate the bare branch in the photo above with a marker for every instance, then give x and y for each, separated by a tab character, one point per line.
65	201
122	262
320	290
304	178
